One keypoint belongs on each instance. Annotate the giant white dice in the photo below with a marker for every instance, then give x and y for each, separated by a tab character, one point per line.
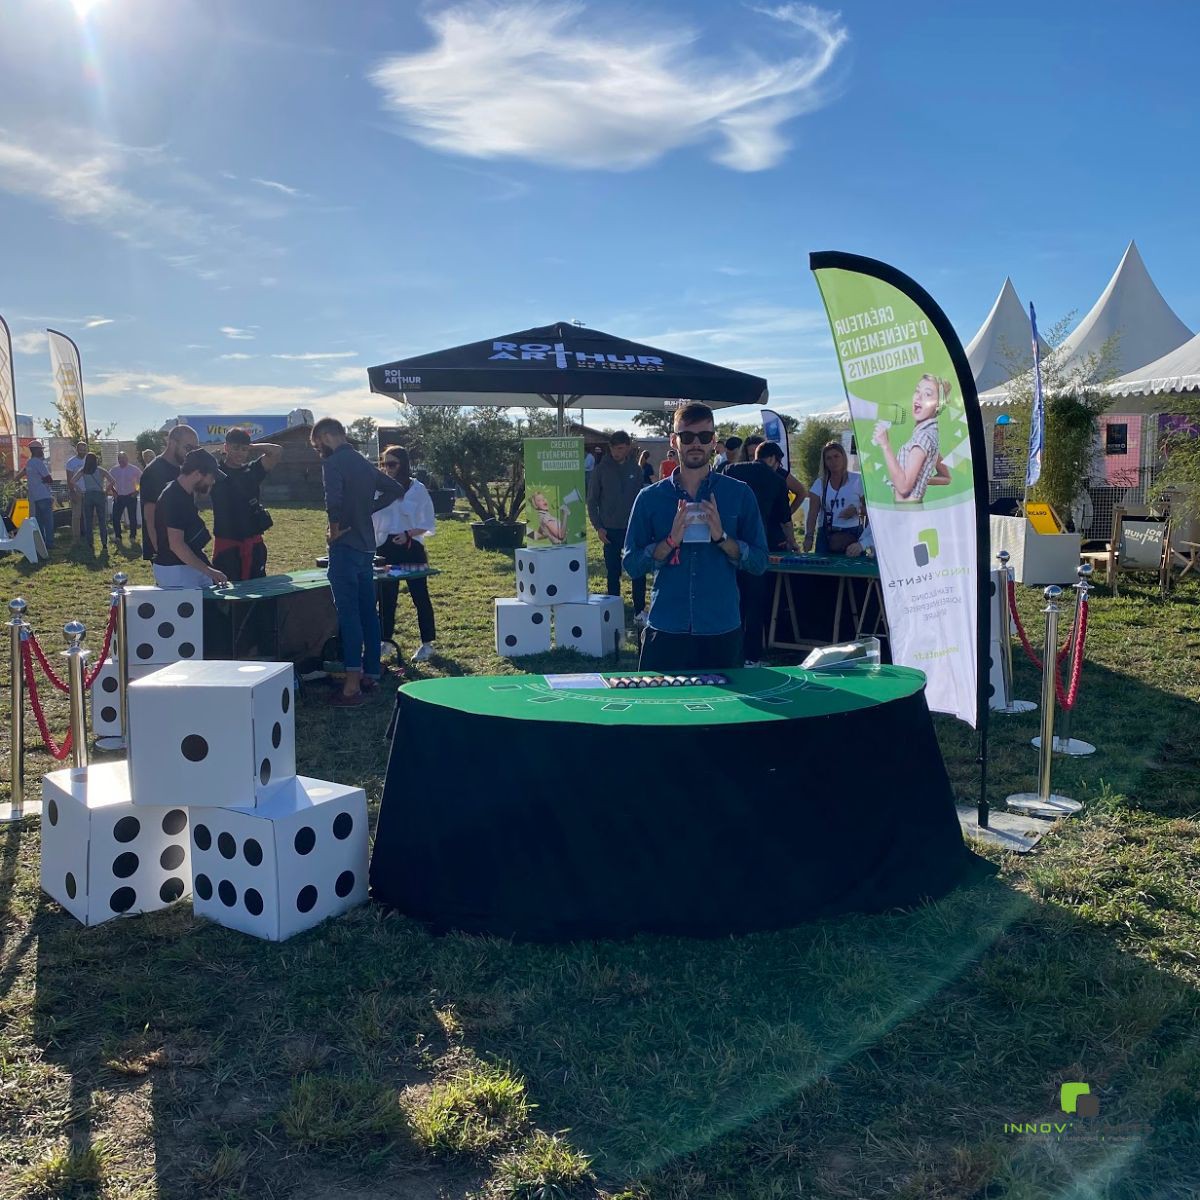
285	866
104	858
554	575
521	628
106	697
164	625
596	628
215	733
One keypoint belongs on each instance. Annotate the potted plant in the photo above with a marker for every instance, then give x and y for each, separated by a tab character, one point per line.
479	451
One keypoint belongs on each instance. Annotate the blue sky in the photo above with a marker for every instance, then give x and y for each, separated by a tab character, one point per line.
238	207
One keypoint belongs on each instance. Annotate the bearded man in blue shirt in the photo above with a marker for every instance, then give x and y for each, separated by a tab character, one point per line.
694	530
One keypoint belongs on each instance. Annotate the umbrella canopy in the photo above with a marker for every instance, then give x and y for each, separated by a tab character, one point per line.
560	366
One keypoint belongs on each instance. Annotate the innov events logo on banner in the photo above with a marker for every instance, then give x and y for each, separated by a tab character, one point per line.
926	548
1076	1100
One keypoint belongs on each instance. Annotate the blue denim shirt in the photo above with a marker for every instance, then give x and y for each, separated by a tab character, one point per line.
698	594
354	489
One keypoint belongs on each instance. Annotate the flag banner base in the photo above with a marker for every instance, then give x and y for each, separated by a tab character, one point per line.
1016	706
1075	747
1014	832
1052	806
110	745
31	808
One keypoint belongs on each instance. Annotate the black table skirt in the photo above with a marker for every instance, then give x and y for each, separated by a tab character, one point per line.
552	831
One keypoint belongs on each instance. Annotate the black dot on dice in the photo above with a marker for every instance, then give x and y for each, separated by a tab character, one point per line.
574	564
166	630
203	887
576	631
510	639
108	714
171	857
520	564
110	683
187	650
125	864
538	618
226	845
277	735
607	615
186	609
145	611
520	585
264	772
552	589
194	748
145	651
253	901
52	813
307	899
345	884
202	837
305	840
531	568
343	825
532	590
175	821
71	887
286	702
122	900
227	892
171	891
253	852
126	829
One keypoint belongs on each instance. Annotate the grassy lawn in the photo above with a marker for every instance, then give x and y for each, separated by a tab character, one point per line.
863	1057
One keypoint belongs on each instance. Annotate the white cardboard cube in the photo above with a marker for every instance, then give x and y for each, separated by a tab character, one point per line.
106	697
553	575
521	628
102	857
283	867
164	625
216	733
596	628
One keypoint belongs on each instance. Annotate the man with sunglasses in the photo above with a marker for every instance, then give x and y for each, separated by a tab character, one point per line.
694	530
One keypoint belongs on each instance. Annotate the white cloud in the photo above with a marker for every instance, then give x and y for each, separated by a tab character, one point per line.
96	322
344	375
558	83
239	335
237	357
277	186
33	342
314	356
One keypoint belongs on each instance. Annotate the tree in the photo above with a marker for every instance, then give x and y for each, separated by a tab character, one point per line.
806	446
150	439
361	430
66	425
479	449
1181	449
659	424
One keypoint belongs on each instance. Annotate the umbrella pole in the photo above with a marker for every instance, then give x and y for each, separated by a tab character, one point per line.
562	407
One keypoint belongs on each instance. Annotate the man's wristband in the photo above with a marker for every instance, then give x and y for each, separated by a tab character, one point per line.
717	541
671	543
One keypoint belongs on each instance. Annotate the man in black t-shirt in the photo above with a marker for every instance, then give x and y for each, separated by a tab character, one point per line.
770	490
181	441
238	515
180	533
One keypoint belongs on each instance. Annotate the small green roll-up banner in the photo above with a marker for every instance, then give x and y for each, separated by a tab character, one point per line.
919	435
555	496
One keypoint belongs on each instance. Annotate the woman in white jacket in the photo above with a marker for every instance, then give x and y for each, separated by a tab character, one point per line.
400	532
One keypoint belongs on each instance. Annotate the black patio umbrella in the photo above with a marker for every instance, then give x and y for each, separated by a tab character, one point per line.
563	366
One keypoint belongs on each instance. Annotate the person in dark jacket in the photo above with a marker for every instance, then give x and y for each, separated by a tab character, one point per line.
616	481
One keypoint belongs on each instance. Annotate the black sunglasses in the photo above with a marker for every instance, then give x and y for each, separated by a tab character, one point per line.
687	437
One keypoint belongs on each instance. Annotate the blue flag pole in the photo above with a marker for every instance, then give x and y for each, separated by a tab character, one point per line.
1037	419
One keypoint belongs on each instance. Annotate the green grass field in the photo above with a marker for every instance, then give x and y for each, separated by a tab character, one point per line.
864	1057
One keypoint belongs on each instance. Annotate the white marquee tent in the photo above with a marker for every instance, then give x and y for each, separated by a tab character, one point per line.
1003	346
1178	371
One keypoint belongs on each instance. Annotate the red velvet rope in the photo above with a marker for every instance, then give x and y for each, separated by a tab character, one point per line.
1029	650
1066	699
88	680
56	752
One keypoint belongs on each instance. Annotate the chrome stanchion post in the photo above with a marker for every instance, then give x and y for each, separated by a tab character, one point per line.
1005	636
120	596
1064	743
18	807
77	656
1043	802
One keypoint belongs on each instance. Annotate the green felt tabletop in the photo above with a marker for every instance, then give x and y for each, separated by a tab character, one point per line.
752	694
820	564
284	585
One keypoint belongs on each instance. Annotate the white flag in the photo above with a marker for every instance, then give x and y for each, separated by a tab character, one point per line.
68	384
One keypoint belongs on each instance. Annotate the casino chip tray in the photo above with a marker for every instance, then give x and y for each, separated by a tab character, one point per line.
706	679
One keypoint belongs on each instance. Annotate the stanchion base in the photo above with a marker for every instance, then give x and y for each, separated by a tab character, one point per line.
1072	746
110	745
31	808
1008	831
1051	806
1016	706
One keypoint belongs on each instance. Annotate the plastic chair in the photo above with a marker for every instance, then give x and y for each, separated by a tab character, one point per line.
27	541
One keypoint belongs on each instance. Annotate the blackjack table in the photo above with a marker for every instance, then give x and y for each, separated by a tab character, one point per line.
821	599
551	808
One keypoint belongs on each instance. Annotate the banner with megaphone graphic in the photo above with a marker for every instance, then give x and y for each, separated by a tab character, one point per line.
920	443
555	491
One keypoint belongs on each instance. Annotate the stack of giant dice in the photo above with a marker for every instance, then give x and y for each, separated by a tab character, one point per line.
209	803
552	592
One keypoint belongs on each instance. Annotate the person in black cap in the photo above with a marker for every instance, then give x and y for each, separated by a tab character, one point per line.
180	534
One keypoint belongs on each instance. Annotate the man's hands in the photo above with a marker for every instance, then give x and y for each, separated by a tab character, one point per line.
218	577
602	534
333	531
680	523
712	518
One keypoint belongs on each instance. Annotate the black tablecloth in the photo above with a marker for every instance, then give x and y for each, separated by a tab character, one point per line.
553	829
